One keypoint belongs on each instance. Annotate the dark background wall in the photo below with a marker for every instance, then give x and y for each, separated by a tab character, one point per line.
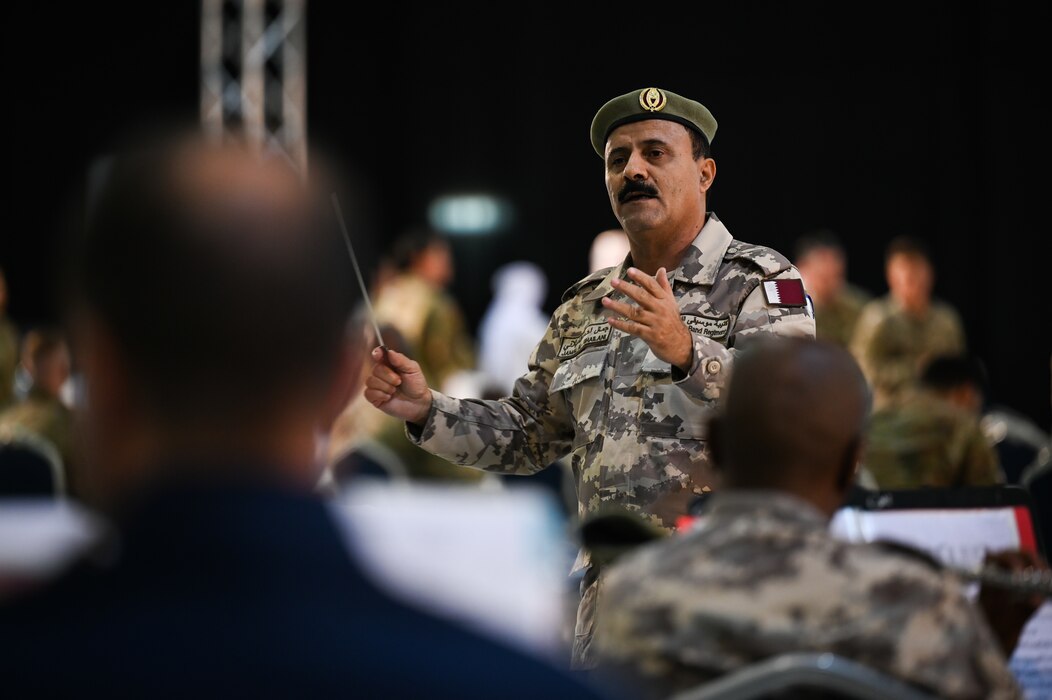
921	118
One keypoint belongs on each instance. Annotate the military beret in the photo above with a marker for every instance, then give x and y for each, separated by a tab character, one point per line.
650	103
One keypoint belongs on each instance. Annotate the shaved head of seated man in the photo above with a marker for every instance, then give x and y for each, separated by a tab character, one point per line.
760	575
210	301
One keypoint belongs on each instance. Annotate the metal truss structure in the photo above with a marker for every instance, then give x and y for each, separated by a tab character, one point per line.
253	74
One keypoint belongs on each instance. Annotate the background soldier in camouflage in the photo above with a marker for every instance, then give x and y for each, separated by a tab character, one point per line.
897	334
930	435
42	411
635	357
9	338
417	302
425	321
822	261
760	575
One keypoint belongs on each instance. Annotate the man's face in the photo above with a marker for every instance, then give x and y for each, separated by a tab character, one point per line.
435	264
53	371
823	272
652	179
910	279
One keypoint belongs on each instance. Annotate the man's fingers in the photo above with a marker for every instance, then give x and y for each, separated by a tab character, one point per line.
630	327
377	384
376	398
632	291
395	361
649	291
662	280
646	281
622	309
387	374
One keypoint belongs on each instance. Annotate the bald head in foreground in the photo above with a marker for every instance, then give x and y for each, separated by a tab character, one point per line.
760	575
210	298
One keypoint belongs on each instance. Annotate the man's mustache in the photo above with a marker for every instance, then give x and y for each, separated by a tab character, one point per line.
634	186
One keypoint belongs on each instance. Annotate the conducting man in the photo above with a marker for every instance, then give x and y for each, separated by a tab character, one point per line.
634	359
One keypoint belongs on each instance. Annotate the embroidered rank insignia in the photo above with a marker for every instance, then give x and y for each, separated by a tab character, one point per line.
785	292
708	327
595	334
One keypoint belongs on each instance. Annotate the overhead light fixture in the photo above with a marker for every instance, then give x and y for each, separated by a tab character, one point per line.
469	214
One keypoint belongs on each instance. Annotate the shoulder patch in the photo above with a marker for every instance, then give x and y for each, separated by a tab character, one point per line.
591	280
593	334
767	259
706	325
788	292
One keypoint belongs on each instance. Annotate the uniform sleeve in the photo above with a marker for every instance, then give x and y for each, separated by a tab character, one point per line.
712	360
521	434
993	677
929	633
980	465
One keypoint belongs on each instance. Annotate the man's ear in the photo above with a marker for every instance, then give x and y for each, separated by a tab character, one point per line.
715	441
849	465
347	380
706	173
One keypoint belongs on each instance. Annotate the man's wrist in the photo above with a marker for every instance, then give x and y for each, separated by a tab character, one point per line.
421	418
687	359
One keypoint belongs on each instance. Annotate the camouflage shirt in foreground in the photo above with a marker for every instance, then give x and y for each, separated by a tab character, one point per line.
635	431
759	576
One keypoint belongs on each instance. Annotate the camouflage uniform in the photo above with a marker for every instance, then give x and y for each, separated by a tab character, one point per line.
892	346
432	325
46	417
430	322
835	320
762	576
634	427
8	360
921	439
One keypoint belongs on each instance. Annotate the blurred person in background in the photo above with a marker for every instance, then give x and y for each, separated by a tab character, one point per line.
9	342
426	323
43	411
897	334
609	248
225	571
822	261
930	433
415	299
510	328
512	324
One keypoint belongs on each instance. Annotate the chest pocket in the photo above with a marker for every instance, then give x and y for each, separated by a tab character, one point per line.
666	410
581	381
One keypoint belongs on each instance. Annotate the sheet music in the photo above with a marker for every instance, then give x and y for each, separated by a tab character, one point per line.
497	560
959	538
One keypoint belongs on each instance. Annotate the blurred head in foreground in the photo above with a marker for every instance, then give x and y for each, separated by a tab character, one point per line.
793	420
207	302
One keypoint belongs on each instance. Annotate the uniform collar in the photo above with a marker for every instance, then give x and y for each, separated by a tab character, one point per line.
703	257
604	288
699	264
749	504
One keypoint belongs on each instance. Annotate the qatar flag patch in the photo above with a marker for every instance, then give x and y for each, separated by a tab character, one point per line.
785	292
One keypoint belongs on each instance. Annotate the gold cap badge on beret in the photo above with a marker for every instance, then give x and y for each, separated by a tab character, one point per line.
650	103
652	100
